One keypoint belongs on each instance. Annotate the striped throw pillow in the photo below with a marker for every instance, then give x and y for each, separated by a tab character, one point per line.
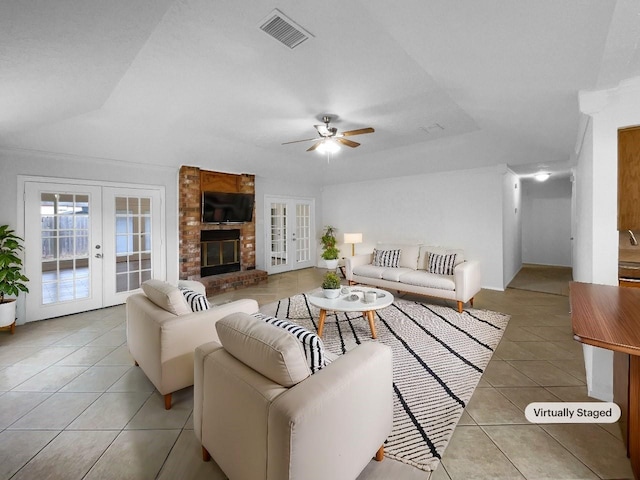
442	264
196	301
386	258
311	343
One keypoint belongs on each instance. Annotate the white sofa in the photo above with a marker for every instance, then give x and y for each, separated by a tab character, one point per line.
261	414
163	332
412	273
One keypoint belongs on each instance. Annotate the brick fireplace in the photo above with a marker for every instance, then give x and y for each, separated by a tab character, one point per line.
192	182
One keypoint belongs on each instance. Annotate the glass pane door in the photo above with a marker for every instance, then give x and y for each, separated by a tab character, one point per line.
303	232
278	222
132	241
291	234
64	230
62	233
88	247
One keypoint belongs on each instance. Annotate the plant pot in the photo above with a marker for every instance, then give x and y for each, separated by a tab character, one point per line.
331	292
331	264
7	312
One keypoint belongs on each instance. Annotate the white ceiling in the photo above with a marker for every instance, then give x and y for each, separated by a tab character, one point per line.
196	82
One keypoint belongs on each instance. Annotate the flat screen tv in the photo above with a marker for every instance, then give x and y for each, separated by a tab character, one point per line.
218	207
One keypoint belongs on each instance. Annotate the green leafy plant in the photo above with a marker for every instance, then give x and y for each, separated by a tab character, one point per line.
11	277
331	281
328	241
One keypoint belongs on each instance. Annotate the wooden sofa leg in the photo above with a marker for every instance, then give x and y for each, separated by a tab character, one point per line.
136	363
380	454
206	456
167	401
460	304
351	283
471	302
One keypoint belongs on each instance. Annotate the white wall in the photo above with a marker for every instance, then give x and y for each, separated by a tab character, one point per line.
596	180
457	209
546	221
583	184
511	225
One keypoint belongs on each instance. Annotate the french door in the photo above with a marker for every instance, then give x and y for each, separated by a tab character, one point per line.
88	246
289	230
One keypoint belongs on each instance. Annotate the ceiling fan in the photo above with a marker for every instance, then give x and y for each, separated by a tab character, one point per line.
330	138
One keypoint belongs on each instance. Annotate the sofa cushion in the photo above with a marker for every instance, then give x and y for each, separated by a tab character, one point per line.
166	296
386	258
394	274
423	260
369	271
441	264
196	301
408	253
265	348
421	278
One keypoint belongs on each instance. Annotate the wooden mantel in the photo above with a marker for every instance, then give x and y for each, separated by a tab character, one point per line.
609	317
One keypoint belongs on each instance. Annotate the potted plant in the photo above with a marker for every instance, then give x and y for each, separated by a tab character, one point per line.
330	252
331	285
11	277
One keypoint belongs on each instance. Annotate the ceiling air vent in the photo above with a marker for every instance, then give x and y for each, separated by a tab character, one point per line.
283	29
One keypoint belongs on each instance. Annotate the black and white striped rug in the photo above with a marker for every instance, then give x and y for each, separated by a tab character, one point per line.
438	358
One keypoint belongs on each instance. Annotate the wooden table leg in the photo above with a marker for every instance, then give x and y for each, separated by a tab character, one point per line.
323	316
633	424
380	454
371	317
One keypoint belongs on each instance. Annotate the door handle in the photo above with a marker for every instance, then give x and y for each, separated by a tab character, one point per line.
98	255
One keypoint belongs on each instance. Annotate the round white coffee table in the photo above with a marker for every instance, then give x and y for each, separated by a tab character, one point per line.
351	302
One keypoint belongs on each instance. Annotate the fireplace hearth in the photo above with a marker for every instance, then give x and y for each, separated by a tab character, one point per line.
219	252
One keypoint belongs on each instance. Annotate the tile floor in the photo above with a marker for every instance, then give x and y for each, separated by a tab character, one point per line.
73	406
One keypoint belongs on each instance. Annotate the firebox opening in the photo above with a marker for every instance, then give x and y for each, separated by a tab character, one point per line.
219	252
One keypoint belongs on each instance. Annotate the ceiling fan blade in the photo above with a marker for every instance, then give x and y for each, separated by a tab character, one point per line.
359	131
314	146
348	143
298	141
323	130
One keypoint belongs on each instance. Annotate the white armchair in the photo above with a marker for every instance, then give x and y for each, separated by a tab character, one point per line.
162	332
261	415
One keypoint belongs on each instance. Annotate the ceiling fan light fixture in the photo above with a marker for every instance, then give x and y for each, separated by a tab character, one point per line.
328	146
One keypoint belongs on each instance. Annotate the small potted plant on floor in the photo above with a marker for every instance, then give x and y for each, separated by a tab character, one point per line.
331	285
11	277
330	252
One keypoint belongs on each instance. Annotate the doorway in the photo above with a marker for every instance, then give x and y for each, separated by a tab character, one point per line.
289	241
547	226
89	246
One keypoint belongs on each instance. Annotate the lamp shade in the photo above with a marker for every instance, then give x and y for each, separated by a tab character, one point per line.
352	238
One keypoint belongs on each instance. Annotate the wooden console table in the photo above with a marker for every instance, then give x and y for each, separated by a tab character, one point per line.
609	317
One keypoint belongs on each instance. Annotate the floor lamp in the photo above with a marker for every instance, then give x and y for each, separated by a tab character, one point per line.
353	238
